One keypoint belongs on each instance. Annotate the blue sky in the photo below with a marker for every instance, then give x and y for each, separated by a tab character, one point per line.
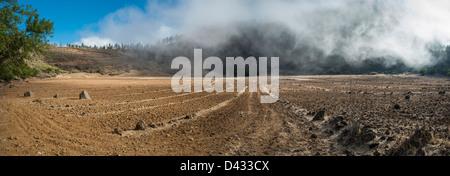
71	17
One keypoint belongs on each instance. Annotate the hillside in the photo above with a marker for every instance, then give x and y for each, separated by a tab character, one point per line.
110	62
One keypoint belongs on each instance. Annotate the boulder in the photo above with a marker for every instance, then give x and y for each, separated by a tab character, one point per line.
118	131
319	116
367	134
140	125
85	95
414	144
28	94
152	125
337	122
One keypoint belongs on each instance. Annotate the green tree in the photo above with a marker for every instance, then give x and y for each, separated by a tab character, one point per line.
431	71
423	71
21	33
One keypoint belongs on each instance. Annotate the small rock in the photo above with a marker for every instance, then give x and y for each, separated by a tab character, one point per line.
407	97
390	138
28	94
56	96
396	106
337	122
118	131
373	145
151	125
367	134
376	153
319	116
441	92
85	95
313	136
420	152
140	125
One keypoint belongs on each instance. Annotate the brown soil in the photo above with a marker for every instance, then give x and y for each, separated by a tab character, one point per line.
225	123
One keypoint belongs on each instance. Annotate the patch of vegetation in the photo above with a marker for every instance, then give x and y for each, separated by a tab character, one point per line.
21	33
423	71
102	71
434	71
43	70
20	70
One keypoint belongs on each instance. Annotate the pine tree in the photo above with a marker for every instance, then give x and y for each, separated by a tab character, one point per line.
21	32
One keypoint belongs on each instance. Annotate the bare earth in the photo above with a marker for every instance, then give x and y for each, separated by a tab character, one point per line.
226	123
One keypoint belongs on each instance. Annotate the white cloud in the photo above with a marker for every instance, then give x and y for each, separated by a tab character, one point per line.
400	28
95	41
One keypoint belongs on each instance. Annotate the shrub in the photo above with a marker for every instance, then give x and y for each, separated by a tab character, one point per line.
431	71
21	32
423	71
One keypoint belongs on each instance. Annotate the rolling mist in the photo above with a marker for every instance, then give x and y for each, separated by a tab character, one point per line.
309	37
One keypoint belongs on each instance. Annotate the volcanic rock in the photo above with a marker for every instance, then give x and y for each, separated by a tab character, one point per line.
85	95
319	116
413	145
118	131
367	134
337	122
140	125
28	94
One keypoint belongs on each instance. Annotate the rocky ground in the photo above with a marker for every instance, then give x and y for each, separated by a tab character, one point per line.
315	115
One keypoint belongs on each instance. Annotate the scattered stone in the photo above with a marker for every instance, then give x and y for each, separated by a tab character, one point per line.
390	138
348	153
118	131
37	101
319	116
85	95
420	152
313	136
407	97
441	92
329	132
337	122
354	134
373	145
28	94
151	125
140	125
419	139
396	106
367	134
376	153
56	95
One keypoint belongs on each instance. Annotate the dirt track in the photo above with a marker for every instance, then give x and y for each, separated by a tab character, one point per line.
220	123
